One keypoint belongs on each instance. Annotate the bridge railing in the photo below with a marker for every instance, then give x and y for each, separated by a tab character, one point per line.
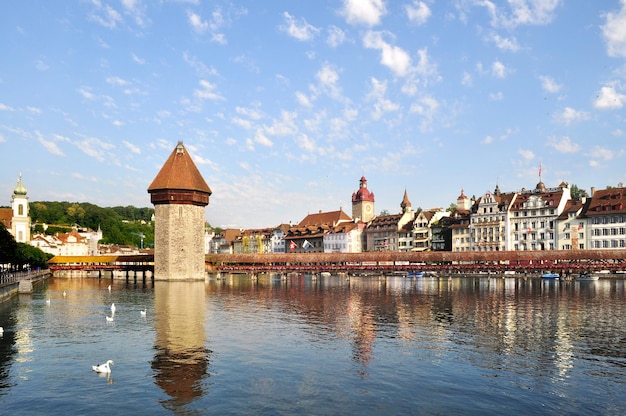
8	277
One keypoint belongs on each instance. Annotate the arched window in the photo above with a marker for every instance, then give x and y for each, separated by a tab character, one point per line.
20	209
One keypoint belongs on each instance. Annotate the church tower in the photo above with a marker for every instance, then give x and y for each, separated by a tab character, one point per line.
179	194
363	203
20	224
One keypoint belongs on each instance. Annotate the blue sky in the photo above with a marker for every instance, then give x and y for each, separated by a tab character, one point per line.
284	105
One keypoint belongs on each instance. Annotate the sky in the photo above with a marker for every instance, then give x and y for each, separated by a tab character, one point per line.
284	105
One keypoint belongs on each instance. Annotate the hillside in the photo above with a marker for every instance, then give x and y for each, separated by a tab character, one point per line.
119	225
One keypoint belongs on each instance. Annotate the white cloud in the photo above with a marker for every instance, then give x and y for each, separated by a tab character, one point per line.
570	115
382	105
563	145
487	140
418	12
496	96
498	69
249	112
392	57
608	98
137	59
286	126
94	147
614	32
366	12
2	139
197	23
117	81
336	36
49	145
505	44
522	12
86	93
303	99
105	15
603	153
132	147
528	155
4	107
298	30
548	84
262	139
208	91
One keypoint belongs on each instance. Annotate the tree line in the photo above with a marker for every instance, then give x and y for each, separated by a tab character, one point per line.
16	256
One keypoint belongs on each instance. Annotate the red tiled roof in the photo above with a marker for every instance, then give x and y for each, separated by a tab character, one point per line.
6	216
331	218
179	172
607	201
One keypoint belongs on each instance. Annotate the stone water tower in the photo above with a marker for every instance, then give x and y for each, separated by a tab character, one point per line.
179	194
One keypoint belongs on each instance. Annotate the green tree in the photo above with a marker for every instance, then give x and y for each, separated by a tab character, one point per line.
8	246
577	193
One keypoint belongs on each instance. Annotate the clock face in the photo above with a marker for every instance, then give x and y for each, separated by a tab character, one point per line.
368	208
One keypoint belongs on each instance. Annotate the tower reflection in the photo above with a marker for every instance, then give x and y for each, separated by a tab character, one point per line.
181	358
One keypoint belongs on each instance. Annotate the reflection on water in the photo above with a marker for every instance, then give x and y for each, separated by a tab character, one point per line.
181	358
331	345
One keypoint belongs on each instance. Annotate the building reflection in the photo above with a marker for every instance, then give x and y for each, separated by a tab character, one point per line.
181	358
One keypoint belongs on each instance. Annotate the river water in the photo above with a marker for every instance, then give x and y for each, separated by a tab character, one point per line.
326	346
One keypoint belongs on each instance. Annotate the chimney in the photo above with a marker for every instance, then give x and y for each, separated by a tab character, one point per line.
593	191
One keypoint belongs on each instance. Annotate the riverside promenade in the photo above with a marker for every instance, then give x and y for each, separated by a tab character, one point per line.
12	283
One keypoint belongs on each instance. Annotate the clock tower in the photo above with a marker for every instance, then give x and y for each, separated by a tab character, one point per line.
363	202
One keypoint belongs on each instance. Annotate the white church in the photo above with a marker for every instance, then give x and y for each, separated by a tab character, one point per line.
17	221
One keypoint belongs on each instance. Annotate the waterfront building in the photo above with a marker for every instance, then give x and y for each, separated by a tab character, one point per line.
490	221
606	216
384	232
363	203
424	224
224	241
308	235
571	225
346	237
277	240
458	224
179	194
255	241
534	216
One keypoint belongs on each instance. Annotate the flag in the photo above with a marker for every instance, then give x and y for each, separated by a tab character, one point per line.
306	244
292	245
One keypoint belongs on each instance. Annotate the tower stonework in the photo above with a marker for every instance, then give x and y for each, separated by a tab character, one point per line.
180	195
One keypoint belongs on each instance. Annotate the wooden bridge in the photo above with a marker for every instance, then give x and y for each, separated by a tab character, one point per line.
527	262
445	262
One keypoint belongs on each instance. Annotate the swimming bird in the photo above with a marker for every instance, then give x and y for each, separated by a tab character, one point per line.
109	288
48	301
103	368
1	330
143	313
64	294
113	308
109	318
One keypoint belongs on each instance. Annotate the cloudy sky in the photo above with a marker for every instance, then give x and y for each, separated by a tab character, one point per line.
284	105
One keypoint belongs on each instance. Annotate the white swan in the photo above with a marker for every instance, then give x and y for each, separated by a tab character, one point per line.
48	301
109	318
143	313
103	368
109	288
1	330
113	308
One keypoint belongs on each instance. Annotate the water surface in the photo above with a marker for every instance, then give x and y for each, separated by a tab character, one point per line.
326	346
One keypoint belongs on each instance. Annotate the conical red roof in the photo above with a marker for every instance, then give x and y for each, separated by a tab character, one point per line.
180	173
